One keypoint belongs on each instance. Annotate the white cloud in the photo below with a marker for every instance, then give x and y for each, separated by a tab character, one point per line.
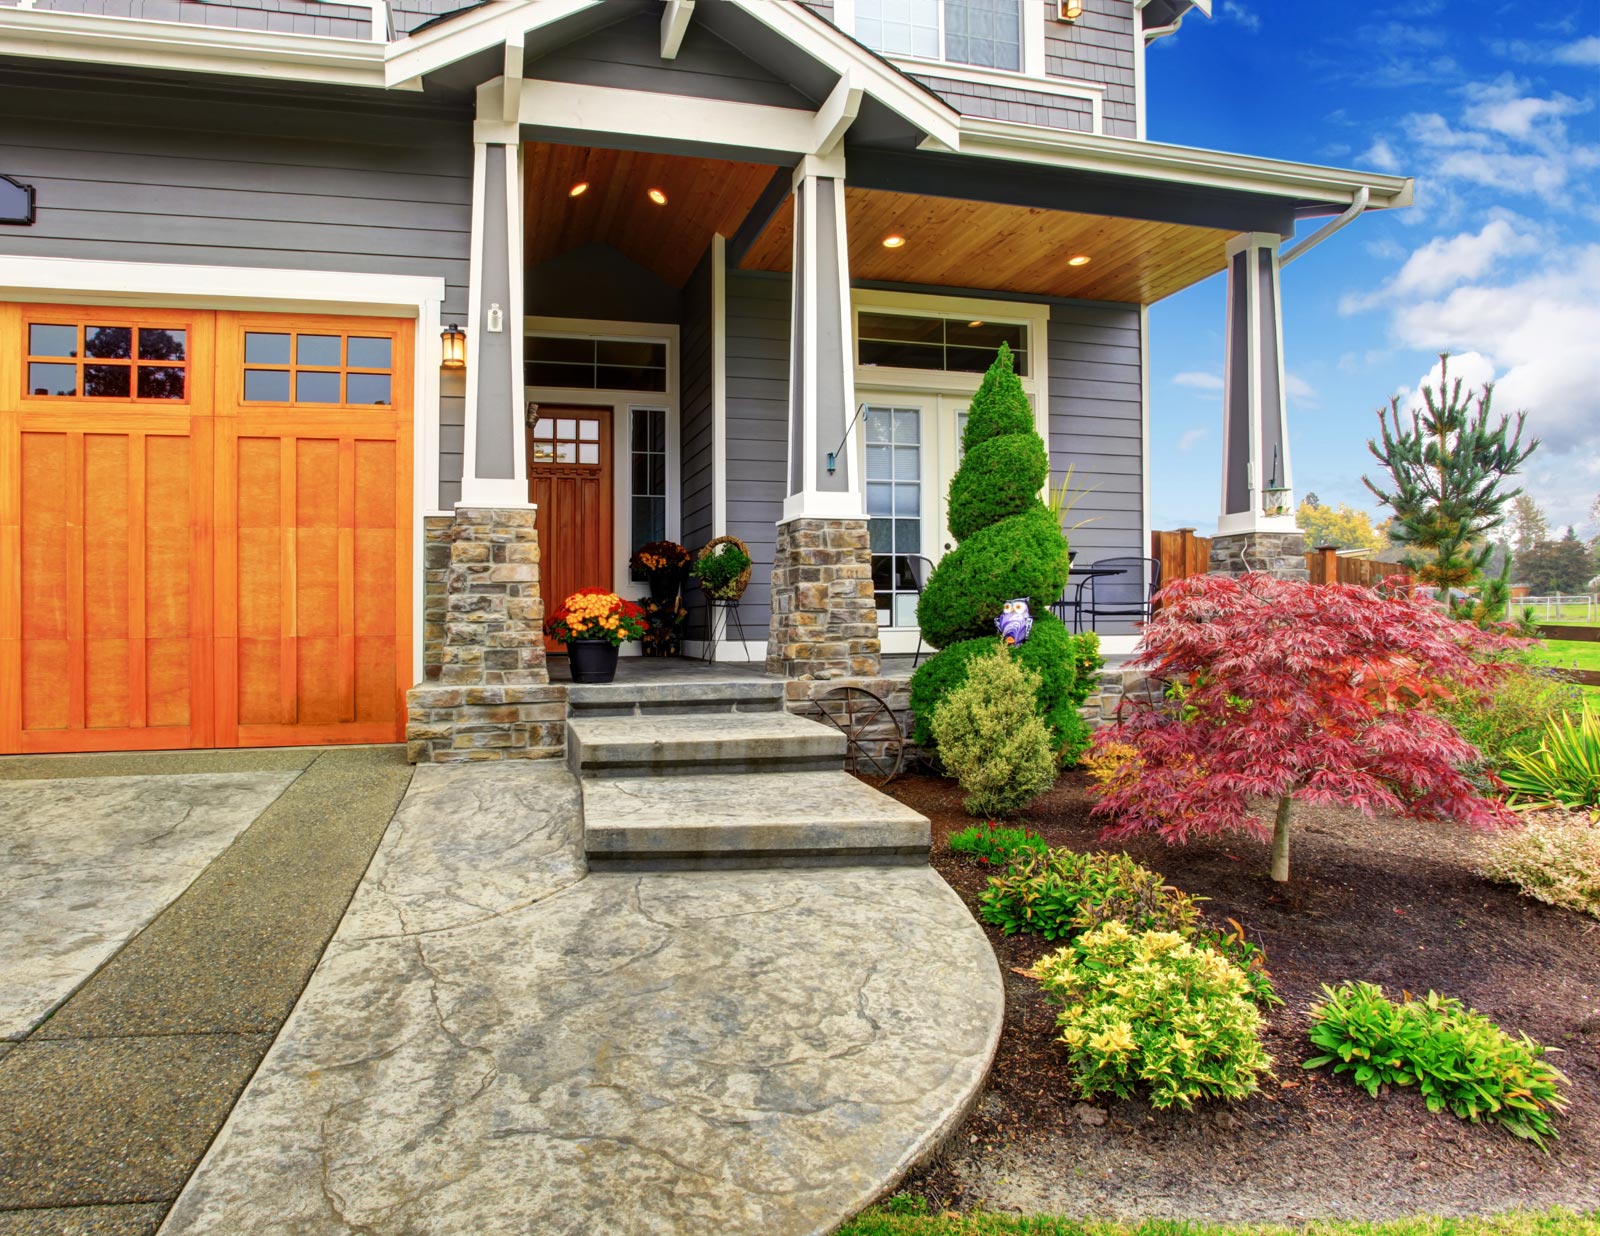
1380	155
1584	52
1191	438
1249	20
1501	106
1444	262
1300	391
1198	380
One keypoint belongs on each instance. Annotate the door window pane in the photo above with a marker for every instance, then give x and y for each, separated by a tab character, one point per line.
647	438
894	510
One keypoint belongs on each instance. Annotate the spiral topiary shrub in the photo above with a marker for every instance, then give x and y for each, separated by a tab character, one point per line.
1009	545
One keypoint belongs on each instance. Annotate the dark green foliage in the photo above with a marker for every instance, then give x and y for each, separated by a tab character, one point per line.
1058	657
998	478
999	407
995	846
1556	566
1021	556
1448	472
1456	1057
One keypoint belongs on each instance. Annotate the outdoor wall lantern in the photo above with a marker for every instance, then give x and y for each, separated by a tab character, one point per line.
1071	10
454	340
16	202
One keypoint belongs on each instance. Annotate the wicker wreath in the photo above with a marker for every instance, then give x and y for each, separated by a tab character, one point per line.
734	590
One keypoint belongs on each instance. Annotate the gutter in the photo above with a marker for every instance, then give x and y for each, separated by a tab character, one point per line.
1327	229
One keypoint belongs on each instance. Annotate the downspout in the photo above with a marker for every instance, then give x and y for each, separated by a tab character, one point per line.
1357	205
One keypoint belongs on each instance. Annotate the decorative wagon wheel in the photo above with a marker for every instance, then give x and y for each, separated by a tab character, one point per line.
874	737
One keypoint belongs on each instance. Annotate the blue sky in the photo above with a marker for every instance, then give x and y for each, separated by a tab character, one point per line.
1495	109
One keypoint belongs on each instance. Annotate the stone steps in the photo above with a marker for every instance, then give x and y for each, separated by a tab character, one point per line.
674	698
789	819
696	744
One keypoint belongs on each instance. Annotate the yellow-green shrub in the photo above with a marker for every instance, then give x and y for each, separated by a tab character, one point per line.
1151	1010
1552	859
991	738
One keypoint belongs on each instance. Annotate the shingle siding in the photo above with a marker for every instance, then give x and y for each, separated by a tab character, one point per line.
194	175
285	16
1098	47
1022	106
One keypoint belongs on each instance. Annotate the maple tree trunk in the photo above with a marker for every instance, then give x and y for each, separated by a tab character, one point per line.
1280	840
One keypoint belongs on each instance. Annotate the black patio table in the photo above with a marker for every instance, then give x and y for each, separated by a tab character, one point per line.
1082	574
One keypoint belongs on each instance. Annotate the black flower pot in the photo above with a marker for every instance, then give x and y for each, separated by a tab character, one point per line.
664	584
592	660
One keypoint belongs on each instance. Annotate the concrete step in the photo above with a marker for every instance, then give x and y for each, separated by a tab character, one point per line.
634	699
792	819
698	744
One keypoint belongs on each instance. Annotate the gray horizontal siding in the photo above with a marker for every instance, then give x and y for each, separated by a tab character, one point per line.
628	55
195	176
1098	47
1003	103
696	412
757	427
285	16
1096	428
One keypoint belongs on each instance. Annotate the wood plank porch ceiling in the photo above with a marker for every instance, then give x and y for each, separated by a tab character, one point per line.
704	196
991	247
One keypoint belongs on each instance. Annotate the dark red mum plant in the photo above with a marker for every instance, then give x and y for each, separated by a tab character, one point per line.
1286	691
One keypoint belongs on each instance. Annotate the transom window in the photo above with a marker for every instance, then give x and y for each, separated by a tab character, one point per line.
894	510
99	360
985	33
955	345
593	364
316	367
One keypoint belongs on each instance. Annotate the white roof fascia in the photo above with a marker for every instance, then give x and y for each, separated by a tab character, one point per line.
907	99
415	55
1189	165
140	43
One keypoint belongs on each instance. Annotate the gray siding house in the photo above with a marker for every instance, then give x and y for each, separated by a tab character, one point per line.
286	286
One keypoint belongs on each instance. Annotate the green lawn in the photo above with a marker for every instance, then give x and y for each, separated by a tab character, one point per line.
1569	653
1539	1223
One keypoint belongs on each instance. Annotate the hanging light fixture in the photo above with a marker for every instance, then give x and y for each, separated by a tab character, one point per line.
454	347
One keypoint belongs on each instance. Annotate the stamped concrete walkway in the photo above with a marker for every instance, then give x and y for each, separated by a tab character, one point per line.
495	1042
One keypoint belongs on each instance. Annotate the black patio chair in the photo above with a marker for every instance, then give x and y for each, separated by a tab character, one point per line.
1129	593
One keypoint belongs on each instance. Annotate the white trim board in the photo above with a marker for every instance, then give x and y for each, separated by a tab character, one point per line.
83	281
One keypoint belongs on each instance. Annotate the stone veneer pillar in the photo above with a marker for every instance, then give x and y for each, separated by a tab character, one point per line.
486	692
824	617
1274	553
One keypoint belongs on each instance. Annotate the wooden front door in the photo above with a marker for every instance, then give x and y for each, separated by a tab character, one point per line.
569	480
204	528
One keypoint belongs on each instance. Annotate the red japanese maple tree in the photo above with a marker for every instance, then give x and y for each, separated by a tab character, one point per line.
1295	691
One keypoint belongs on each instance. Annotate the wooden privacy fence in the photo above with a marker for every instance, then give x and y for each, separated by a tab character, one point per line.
1327	567
1182	554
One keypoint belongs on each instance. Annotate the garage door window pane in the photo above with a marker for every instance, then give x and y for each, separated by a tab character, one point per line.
264	349
313	387
167	345
266	385
160	382
52	379
319	368
367	388
45	340
100	360
320	350
370	353
108	342
107	381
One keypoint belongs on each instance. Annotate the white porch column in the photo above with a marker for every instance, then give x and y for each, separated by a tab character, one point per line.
494	467
1255	431
822	394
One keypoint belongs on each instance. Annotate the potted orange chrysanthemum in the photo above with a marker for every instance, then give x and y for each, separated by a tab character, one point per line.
592	623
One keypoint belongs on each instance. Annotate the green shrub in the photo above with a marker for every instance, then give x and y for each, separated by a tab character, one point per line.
998	407
1514	718
991	739
718	569
1565	769
1455	1056
998	478
1059	658
999	847
1021	556
1553	860
1151	1010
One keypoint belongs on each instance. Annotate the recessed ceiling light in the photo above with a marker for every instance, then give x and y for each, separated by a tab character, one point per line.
1078	259
658	197
975	323
579	189
893	242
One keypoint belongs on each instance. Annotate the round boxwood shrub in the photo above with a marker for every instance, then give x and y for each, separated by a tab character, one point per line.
999	477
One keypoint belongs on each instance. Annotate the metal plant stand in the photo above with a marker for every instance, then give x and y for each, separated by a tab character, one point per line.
874	736
716	631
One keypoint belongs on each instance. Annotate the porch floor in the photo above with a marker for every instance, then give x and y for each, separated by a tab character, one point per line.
692	669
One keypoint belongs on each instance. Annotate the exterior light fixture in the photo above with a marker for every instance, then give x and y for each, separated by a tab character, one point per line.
973	325
579	189
1071	10
658	197
1078	259
454	341
893	242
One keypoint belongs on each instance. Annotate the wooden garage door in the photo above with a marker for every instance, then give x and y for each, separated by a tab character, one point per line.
204	529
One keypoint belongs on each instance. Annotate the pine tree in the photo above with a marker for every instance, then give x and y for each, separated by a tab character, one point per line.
1009	546
1448	469
1529	525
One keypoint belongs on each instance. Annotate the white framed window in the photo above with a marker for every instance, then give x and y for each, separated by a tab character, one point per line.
987	34
893	478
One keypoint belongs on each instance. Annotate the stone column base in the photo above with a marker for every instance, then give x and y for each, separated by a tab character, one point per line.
1282	554
485	692
824	619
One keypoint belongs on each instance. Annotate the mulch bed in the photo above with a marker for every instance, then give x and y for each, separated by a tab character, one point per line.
1390	901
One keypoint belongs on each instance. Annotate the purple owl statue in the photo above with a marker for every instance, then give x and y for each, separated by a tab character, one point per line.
1014	622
